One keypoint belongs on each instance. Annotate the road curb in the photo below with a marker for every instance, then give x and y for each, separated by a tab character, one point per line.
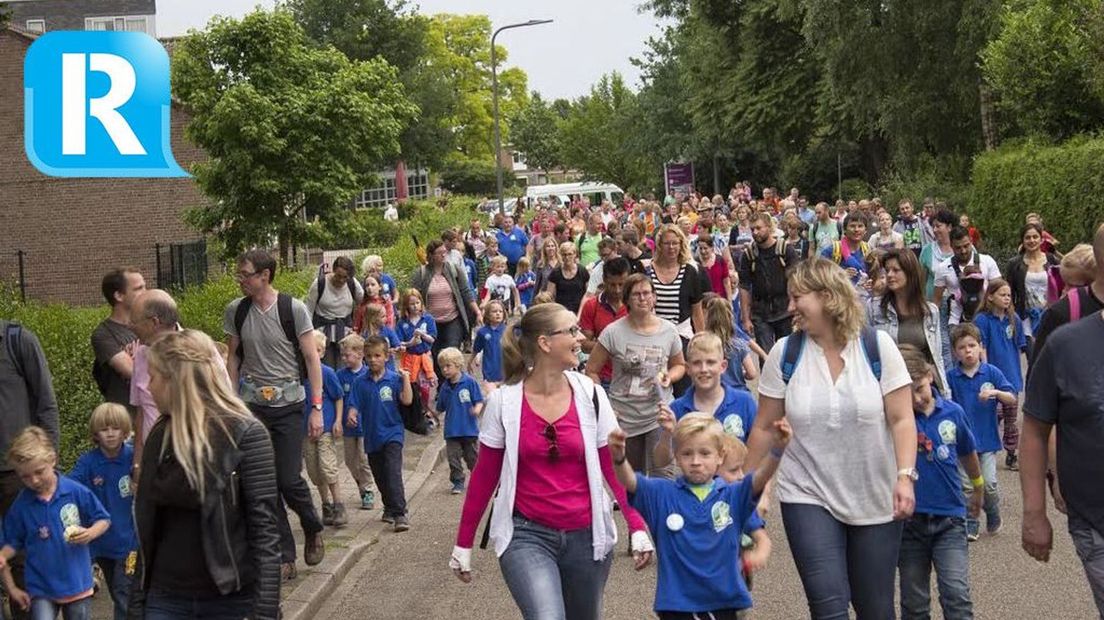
307	598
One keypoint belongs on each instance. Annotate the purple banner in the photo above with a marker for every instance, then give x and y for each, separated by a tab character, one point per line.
678	177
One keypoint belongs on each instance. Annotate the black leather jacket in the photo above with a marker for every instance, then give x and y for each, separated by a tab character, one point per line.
240	539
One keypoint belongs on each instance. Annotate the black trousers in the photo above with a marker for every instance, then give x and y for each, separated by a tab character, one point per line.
285	427
449	334
769	332
10	486
387	469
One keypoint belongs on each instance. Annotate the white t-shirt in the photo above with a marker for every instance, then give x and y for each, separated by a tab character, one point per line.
946	278
501	287
841	455
886	242
391	214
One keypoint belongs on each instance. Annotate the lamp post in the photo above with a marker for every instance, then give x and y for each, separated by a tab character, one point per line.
494	98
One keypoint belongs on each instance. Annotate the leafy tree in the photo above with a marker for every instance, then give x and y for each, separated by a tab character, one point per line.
289	129
1045	67
535	132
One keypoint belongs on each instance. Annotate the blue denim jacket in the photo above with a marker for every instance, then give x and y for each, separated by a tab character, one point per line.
936	337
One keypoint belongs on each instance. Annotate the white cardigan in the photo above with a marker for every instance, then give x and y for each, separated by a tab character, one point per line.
500	428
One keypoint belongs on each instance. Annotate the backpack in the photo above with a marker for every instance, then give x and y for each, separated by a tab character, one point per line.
837	251
413	416
970	290
816	226
795	344
751	254
287	322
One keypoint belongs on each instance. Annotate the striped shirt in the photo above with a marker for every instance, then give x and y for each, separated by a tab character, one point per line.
667	295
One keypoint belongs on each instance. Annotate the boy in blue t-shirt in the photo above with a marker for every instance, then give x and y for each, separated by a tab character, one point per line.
698	519
755	544
935	534
374	404
53	521
978	387
352	354
460	398
105	470
320	453
488	342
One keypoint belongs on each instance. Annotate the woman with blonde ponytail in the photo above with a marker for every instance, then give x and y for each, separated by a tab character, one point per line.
543	444
208	475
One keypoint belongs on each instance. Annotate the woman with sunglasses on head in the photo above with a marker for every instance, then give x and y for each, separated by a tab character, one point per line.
543	444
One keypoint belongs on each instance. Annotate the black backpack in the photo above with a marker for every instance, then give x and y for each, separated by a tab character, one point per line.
287	322
413	416
971	290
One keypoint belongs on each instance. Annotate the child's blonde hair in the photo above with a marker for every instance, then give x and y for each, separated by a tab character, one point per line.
30	445
352	342
109	415
320	340
494	302
1078	266
452	356
523	265
498	260
987	305
705	343
372	262
543	297
410	292
734	449
373	317
697	423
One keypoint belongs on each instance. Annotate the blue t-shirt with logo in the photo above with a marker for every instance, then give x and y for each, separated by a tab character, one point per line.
525	293
457	400
109	480
393	342
942	439
488	340
377	406
346	377
980	416
388	288
424	324
1003	339
512	245
55	568
331	393
736	412
697	542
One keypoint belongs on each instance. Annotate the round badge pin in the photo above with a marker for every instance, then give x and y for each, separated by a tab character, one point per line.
675	522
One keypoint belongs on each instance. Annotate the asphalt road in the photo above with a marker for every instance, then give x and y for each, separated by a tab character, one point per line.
405	576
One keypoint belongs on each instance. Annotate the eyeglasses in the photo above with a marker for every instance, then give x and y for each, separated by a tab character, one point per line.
574	330
244	275
549	433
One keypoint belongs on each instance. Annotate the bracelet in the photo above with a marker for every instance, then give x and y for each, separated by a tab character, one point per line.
316	400
777	452
978	482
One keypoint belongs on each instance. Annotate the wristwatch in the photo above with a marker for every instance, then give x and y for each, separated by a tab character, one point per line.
910	473
317	406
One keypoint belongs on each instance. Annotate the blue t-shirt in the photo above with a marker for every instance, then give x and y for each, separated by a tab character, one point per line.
393	342
942	439
346	377
697	542
512	245
855	260
457	400
388	288
55	568
736	412
526	286
424	324
109	480
332	391
470	269
734	375
980	416
488	340
1003	345
377	406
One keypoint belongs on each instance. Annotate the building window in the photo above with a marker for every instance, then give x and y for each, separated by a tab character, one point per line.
37	26
417	186
128	23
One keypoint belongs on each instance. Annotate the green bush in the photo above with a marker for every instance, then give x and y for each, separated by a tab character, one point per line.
945	181
468	176
1064	184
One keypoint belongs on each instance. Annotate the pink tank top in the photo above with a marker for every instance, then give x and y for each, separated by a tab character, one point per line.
552	487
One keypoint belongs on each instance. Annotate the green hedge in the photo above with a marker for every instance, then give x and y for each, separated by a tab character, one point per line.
1064	184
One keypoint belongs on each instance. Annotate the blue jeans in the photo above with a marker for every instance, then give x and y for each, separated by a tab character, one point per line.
991	507
842	564
552	574
163	606
45	609
118	584
932	540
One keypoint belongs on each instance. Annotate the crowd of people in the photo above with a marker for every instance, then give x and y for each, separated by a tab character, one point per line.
682	361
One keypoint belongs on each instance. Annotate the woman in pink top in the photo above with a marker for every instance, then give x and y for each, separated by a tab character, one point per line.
543	443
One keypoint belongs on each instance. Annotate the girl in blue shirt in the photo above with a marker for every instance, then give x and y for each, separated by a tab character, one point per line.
417	333
526	282
488	342
1003	339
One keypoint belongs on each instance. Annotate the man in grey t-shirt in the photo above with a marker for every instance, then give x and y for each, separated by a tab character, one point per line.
266	366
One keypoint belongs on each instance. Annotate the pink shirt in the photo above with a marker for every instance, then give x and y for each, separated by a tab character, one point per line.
140	395
552	490
440	303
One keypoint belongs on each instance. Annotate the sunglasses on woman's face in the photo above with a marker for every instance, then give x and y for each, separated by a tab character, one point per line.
553	448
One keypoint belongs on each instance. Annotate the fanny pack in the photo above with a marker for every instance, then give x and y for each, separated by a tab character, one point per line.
270	394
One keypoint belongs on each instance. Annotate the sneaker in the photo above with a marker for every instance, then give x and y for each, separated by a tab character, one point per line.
314	549
457	488
367	500
402	523
288	571
1012	462
973	529
340	517
993	524
327	514
386	518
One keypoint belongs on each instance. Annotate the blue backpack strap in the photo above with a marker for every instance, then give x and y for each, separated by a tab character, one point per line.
869	338
791	355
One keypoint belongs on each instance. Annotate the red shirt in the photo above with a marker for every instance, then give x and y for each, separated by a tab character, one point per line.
594	316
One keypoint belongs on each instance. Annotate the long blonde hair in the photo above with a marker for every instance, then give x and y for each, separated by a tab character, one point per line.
841	304
201	398
684	243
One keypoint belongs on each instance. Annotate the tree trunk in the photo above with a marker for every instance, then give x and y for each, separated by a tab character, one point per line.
988	125
285	248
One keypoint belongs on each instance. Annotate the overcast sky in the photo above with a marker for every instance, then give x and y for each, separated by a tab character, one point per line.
562	59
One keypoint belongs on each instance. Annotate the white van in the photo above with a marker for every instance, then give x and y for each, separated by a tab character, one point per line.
561	193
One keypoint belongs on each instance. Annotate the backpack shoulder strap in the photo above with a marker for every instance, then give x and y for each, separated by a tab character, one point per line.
1075	304
240	313
837	251
321	285
13	343
287	322
791	355
869	338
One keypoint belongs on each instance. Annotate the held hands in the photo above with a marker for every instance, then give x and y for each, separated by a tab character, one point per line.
21	598
663	379
781	432
352	420
904	498
616	444
642	549
314	424
460	563
666	419
755	559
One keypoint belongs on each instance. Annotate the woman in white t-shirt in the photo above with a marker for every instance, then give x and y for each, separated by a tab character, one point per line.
847	478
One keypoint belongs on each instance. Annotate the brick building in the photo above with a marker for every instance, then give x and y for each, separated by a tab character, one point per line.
37	16
73	230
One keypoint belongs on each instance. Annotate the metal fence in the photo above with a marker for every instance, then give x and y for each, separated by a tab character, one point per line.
180	265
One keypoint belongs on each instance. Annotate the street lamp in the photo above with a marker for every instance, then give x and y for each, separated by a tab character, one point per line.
494	97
